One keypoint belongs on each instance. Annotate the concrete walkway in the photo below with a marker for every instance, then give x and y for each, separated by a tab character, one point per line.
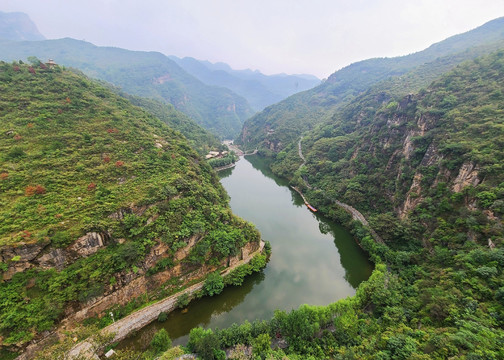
137	320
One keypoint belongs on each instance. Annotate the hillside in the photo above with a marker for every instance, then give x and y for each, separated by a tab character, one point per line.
279	126
200	139
260	90
103	206
18	26
426	169
146	74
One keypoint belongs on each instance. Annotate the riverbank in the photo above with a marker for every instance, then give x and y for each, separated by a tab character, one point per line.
230	166
137	320
356	214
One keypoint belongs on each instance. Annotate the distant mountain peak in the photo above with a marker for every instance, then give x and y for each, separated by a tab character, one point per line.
17	26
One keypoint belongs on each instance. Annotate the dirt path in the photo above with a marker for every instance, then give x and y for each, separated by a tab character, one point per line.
137	320
356	215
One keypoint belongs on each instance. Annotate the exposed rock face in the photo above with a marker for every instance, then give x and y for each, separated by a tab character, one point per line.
19	258
25	256
143	283
55	258
468	175
88	244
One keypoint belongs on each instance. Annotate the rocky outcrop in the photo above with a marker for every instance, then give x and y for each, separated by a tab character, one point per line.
468	175
413	197
142	284
141	318
55	258
25	256
88	244
18	258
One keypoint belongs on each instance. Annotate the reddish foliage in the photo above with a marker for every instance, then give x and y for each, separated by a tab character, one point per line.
58	216
32	70
67	100
4	175
119	163
26	234
106	158
17	137
112	131
173	156
43	66
91	187
60	111
32	190
16	68
30	125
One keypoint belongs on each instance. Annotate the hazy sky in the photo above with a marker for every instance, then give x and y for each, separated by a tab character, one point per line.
291	36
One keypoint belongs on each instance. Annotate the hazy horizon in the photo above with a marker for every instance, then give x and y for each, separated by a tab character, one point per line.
273	37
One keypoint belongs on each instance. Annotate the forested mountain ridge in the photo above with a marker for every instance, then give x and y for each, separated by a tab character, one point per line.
200	139
97	196
427	170
279	126
146	74
260	90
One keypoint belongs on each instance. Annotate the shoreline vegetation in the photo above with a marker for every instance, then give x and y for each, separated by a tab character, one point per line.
122	328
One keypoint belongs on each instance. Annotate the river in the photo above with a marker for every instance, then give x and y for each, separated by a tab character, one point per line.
314	261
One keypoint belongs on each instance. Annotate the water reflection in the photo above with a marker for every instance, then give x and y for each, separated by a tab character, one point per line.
314	261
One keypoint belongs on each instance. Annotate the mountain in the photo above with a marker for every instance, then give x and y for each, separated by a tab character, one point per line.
146	74
103	206
200	139
427	171
260	90
280	125
18	26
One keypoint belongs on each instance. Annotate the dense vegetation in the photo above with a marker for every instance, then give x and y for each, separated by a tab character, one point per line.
199	138
437	290
146	74
260	90
280	126
77	159
227	160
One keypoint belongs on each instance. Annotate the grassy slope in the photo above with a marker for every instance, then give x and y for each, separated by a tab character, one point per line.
72	153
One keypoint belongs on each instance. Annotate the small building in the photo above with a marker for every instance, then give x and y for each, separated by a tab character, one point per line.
51	63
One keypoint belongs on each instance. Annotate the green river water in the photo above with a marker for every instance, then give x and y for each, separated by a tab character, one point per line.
314	261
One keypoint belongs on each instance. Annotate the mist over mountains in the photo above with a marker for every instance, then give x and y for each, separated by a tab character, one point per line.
18	26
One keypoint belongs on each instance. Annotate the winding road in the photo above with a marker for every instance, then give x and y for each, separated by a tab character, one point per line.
356	214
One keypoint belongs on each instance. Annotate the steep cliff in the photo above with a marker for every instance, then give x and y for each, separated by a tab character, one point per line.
404	155
97	195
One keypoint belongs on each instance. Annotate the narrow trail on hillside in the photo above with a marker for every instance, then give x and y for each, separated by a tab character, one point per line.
356	214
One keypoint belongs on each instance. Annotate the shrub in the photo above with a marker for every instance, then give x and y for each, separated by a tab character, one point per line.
160	342
182	301
61	239
163	315
214	284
